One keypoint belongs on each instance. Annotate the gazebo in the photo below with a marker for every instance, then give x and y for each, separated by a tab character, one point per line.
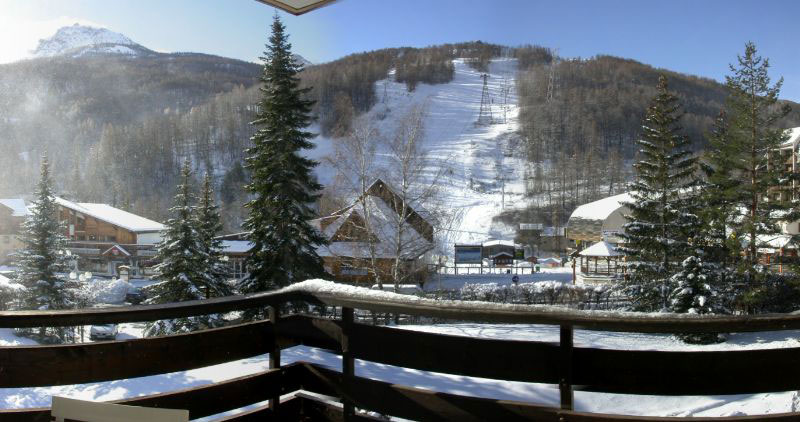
600	262
773	249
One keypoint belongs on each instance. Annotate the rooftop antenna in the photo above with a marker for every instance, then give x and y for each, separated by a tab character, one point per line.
485	114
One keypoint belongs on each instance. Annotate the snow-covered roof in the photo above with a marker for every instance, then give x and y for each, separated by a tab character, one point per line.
794	136
17	205
7	284
771	243
601	209
113	216
383	223
236	246
601	248
354	250
500	242
501	253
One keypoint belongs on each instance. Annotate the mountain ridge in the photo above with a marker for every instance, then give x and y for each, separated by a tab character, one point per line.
77	40
82	40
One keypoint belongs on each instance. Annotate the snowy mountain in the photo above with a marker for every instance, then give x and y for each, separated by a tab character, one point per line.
302	61
79	40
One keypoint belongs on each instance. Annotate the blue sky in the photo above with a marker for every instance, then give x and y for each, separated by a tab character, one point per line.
698	37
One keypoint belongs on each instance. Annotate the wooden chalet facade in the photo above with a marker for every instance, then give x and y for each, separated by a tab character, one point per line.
235	250
103	238
12	215
364	238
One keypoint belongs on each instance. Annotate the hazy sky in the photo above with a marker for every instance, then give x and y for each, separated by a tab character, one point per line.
699	37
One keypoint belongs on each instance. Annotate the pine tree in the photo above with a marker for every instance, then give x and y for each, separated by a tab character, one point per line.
662	218
43	256
753	142
719	197
283	187
183	262
697	290
209	228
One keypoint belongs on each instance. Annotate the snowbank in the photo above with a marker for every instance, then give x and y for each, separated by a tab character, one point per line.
108	291
454	282
405	289
547	292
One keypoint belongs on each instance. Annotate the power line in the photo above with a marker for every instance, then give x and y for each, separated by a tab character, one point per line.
485	114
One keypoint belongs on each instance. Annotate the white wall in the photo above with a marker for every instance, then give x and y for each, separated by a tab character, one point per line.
614	223
790	228
148	238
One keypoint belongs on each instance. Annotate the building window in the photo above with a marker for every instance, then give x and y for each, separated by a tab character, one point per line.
354	271
237	267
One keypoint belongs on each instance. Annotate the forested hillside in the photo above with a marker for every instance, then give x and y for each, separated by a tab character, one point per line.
346	87
116	127
597	105
66	106
580	119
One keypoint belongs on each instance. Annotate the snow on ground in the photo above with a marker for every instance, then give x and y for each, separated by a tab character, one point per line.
722	405
470	154
455	282
8	338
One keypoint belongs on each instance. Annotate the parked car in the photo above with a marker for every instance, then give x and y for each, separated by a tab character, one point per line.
135	296
103	332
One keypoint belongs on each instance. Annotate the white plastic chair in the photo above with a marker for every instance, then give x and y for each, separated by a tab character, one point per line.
88	411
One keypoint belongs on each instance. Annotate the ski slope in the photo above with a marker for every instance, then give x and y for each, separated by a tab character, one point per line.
467	154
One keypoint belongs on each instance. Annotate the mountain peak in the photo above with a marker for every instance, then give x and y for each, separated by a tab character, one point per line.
77	40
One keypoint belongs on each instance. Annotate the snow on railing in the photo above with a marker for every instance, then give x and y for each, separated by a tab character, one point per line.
342	295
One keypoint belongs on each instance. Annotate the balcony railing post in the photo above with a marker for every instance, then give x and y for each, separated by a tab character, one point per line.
565	384
348	363
274	353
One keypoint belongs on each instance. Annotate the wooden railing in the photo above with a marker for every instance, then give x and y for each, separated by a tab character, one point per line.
572	368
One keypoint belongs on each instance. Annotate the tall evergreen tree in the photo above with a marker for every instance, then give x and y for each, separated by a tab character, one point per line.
662	218
753	142
209	228
283	187
720	196
183	255
43	257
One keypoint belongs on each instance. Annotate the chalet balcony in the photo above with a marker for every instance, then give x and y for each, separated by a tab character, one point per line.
308	391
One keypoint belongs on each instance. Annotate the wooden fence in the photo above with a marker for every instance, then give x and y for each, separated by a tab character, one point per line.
288	387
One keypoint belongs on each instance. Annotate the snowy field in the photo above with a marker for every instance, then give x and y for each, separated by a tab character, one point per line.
536	393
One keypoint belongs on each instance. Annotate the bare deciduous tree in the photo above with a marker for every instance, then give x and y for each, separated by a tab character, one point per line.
415	178
354	159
